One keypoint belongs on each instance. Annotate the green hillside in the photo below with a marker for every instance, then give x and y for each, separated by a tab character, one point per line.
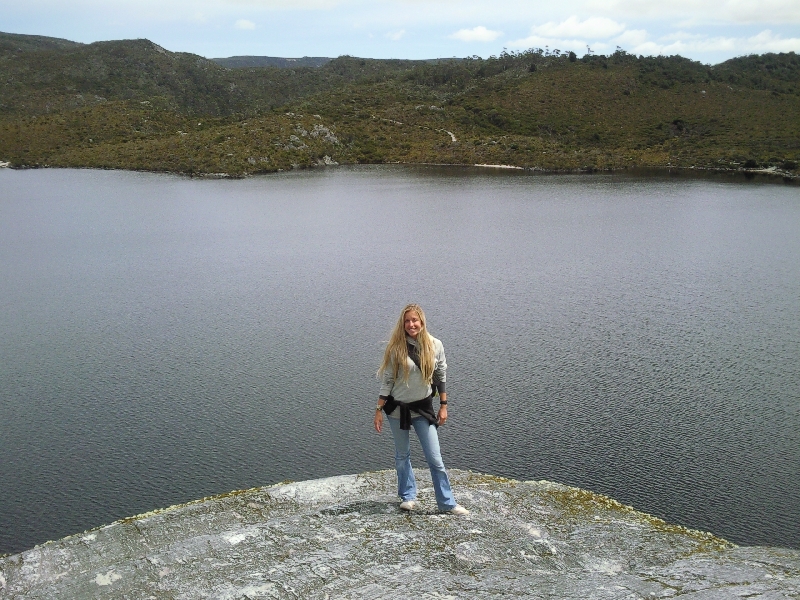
14	42
134	105
242	62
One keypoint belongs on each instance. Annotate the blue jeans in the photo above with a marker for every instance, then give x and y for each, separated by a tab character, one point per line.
429	440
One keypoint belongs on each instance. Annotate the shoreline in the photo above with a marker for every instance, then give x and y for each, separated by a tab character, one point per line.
771	173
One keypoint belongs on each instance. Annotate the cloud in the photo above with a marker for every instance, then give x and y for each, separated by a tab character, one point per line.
631	38
604	35
396	36
535	41
573	34
287	4
692	44
763	11
766	41
700	11
686	47
245	24
476	34
593	28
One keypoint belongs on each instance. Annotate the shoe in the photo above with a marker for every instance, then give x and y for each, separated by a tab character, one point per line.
458	511
408	505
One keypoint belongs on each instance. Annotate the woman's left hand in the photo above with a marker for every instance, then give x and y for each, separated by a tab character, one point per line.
442	414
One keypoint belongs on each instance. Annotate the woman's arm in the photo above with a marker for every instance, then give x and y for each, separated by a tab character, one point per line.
387	383
440	377
442	408
379	415
440	366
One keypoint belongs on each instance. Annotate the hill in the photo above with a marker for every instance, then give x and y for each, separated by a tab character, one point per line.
15	42
132	104
243	62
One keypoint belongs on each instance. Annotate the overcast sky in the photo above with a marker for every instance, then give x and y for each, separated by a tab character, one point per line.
705	30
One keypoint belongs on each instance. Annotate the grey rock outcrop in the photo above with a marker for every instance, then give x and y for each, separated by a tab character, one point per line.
344	537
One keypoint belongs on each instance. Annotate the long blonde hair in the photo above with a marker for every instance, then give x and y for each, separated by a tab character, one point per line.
396	354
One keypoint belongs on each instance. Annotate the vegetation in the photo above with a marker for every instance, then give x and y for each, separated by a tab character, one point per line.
133	105
240	62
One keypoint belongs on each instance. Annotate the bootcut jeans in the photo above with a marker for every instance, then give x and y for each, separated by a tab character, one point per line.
429	440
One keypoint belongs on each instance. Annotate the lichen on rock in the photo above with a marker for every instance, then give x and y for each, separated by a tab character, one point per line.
345	537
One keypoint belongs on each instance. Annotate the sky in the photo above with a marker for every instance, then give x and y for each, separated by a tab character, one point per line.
710	31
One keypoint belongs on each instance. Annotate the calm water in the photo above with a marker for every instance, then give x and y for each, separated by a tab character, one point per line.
162	339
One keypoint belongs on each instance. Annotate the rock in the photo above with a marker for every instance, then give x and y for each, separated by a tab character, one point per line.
346	537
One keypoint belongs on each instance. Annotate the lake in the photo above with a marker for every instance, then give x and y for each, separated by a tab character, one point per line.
166	338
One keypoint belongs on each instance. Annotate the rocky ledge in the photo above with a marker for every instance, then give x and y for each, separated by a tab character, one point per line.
345	537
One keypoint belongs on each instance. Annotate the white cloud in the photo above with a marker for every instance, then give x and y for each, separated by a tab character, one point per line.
630	38
593	28
396	36
604	35
683	36
476	34
700	11
688	44
535	41
574	34
288	4
245	24
760	11
686	48
494	13
766	41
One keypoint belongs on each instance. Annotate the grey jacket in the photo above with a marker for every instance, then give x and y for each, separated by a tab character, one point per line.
415	388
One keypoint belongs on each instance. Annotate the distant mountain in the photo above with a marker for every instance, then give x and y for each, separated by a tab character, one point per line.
242	62
43	75
134	104
50	76
16	42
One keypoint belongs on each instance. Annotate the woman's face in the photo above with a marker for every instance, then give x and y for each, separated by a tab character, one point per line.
412	323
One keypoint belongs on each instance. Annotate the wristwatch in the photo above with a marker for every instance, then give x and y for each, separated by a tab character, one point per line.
378	407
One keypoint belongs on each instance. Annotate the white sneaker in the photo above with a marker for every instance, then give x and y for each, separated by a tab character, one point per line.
458	511
408	505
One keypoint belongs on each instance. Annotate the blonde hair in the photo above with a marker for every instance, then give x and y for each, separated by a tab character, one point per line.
396	354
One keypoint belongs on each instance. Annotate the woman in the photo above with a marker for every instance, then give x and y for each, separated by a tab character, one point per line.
413	369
